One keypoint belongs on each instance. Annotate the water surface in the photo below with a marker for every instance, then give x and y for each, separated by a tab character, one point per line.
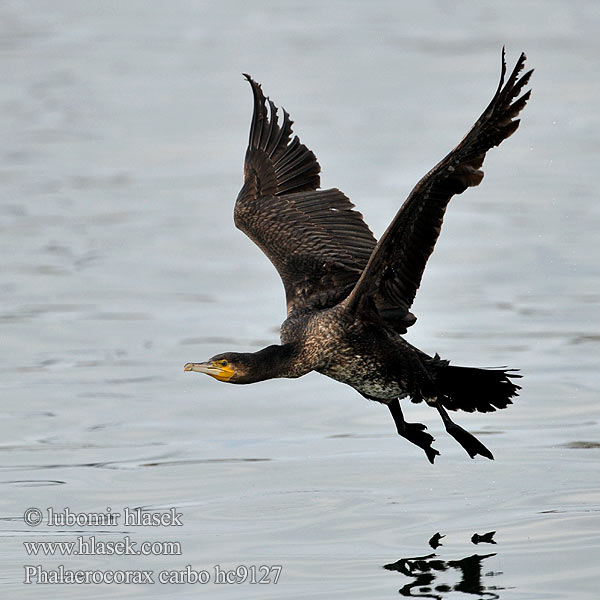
123	130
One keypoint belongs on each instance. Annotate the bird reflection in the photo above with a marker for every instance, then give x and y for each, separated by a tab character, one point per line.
434	542
425	570
486	538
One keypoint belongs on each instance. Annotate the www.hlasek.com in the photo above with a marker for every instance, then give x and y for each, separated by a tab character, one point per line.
96	546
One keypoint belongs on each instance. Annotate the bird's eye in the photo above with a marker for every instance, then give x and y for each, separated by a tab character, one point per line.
224	363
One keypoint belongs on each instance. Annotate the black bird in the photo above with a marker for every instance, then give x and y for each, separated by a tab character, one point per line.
348	297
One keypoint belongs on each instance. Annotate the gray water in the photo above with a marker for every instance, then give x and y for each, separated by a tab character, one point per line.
123	128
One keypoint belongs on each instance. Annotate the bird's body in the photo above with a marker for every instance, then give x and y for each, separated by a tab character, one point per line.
365	354
348	296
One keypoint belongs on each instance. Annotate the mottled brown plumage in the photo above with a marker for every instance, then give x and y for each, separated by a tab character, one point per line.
348	297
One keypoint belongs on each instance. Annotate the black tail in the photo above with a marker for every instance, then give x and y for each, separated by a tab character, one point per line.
471	389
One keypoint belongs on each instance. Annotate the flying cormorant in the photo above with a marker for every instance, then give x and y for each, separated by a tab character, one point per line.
348	296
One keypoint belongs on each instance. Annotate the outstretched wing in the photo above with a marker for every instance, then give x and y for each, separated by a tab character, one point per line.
314	238
393	274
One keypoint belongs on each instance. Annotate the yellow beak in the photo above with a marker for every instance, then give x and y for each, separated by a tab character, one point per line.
211	368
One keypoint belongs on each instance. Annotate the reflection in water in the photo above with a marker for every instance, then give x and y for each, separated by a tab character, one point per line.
424	570
485	538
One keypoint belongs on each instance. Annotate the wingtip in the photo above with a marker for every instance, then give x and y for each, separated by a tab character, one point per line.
523	56
249	79
502	70
525	78
253	83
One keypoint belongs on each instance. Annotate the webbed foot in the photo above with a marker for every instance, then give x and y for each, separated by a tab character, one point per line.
413	432
467	440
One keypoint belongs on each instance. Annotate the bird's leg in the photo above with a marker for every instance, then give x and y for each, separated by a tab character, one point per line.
413	432
467	440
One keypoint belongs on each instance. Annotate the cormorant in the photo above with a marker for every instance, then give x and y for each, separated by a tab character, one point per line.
348	296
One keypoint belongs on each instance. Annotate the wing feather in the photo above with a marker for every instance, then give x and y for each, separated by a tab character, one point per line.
316	241
393	274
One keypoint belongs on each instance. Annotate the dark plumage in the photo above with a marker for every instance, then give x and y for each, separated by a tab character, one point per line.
348	297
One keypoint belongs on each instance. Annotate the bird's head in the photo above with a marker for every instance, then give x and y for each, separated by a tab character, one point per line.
247	367
230	367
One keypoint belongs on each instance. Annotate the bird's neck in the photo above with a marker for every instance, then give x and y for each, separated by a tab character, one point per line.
276	361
